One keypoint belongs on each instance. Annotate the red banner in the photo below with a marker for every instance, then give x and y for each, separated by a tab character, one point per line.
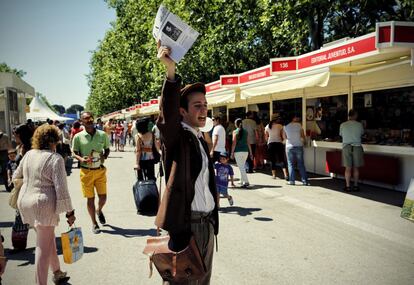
212	86
338	53
229	80
404	34
145	104
154	101
254	75
280	65
384	34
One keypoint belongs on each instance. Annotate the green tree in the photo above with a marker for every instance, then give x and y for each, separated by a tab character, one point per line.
235	36
5	68
59	108
73	109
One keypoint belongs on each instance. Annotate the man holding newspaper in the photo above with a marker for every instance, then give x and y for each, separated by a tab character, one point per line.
189	206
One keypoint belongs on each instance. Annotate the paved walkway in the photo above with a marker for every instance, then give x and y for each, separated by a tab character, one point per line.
274	234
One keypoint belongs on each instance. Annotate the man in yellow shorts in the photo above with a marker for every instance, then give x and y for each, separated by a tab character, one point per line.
91	148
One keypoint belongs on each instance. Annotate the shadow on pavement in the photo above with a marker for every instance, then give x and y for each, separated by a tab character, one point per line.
382	195
374	193
255	187
27	256
128	232
239	210
263	219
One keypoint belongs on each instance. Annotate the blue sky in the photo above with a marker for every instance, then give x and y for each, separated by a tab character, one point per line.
52	41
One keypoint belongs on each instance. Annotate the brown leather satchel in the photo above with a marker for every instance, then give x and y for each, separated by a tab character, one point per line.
175	266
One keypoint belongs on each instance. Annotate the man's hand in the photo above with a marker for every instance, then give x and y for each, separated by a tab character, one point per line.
164	57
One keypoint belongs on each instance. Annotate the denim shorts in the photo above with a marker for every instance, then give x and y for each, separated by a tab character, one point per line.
222	190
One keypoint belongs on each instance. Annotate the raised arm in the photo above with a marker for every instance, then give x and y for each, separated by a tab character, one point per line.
169	119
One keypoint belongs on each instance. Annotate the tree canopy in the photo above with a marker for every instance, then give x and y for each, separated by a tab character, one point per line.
5	68
73	109
59	108
234	37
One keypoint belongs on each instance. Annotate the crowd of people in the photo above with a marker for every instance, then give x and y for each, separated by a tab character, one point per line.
196	163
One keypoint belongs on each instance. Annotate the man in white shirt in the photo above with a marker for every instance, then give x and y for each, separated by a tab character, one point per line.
189	207
219	139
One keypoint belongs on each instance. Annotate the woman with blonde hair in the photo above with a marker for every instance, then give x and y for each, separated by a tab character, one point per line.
43	196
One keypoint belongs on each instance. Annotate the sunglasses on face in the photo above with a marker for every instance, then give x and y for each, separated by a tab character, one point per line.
88	120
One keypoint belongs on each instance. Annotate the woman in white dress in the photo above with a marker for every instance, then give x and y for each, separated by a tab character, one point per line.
43	196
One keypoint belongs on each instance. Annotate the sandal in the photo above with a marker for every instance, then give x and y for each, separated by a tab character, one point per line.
59	276
355	188
347	189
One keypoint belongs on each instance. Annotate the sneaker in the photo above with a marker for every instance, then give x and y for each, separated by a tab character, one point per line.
101	218
231	202
96	229
245	185
59	276
290	183
305	183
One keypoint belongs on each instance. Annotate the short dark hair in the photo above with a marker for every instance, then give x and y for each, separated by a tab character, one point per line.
142	126
352	113
76	124
86	112
217	118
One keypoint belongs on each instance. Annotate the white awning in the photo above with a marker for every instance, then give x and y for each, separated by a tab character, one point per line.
297	81
39	111
152	109
221	97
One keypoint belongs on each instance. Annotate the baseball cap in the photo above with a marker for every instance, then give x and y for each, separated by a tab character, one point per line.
224	154
191	88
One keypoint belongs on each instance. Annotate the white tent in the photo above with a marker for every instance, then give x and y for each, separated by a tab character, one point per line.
39	111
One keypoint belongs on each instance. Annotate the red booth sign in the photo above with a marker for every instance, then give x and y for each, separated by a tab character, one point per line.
145	104
345	51
154	101
229	80
283	65
253	75
213	86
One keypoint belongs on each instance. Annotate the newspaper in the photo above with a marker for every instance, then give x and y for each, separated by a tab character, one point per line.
173	33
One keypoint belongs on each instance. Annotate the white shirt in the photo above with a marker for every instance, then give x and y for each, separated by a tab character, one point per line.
294	134
220	132
274	133
203	200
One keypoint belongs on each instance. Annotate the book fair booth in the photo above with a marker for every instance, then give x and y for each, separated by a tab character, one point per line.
373	74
